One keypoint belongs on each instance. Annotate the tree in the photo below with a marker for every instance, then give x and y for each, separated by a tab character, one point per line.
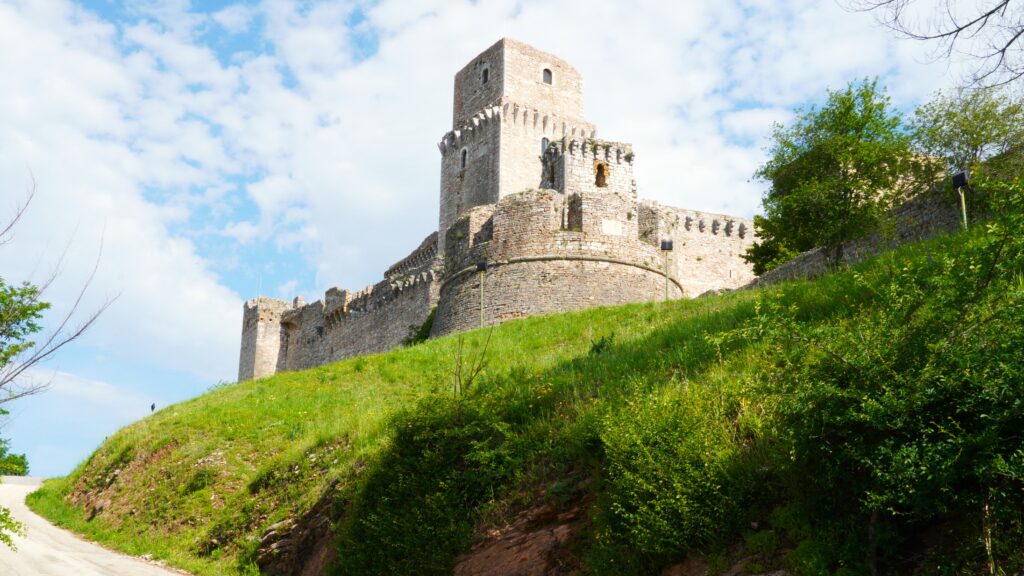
21	310
990	32
832	174
11	464
967	127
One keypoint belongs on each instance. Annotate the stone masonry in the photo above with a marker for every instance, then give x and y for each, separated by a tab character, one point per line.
528	189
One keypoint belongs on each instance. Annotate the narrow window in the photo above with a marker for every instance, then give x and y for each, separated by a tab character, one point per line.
465	157
547	76
602	176
544	145
485	75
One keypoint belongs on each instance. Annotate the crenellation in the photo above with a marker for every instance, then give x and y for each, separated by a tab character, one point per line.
527	188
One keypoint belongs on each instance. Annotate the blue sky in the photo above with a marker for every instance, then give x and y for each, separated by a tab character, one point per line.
205	151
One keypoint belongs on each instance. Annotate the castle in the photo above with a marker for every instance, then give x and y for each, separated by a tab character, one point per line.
534	206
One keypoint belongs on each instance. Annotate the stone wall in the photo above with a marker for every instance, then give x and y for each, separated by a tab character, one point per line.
538	266
471	93
262	337
279	336
372	320
524	81
476	182
920	218
707	248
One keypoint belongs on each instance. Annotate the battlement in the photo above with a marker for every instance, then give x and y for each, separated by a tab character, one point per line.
421	258
663	221
590	147
516	115
589	165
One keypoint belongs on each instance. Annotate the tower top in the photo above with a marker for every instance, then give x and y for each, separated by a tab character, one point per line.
511	71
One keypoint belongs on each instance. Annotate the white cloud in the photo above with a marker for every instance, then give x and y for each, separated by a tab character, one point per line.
236	18
85	123
141	133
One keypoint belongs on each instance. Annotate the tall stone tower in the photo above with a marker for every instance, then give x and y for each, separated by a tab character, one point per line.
510	102
262	338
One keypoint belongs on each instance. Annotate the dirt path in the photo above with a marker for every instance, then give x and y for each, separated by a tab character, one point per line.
50	551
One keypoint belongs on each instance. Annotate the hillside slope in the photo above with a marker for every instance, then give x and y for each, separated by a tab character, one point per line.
868	421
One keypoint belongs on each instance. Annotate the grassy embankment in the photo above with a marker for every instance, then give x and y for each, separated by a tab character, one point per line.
682	426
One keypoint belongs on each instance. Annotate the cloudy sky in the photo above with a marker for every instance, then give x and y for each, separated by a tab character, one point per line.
205	151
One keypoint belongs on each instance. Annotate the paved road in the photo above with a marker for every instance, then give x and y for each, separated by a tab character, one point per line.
50	551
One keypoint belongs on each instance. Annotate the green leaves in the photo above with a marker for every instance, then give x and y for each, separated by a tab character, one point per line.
907	414
20	309
832	174
966	127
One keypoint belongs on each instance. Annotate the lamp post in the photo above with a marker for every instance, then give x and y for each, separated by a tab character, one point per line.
481	268
960	180
666	247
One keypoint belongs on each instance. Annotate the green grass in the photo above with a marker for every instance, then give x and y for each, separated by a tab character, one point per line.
656	414
250	442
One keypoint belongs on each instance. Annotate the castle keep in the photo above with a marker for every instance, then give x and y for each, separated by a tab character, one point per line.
529	189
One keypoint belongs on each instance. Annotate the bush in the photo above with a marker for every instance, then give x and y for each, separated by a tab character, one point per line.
676	478
907	416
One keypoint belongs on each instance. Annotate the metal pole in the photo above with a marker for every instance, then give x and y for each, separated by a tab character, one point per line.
963	206
481	298
666	276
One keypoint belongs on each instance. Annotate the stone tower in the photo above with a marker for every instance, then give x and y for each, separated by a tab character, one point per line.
510	102
262	338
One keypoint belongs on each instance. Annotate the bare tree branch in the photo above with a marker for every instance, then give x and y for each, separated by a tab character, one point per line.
66	331
6	232
992	33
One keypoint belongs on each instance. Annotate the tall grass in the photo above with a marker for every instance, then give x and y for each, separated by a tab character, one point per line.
654	412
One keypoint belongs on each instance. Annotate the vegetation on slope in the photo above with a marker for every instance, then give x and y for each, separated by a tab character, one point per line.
865	422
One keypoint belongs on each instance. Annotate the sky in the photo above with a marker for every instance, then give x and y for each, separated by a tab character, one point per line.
201	153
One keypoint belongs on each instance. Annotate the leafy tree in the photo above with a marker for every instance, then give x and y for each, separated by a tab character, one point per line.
968	127
11	464
832	173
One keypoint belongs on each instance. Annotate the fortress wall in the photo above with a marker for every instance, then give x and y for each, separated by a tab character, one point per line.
536	266
262	337
915	220
521	289
373	320
305	328
421	258
378	328
707	248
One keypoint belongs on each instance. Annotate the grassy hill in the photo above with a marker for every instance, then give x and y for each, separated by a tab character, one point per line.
867	421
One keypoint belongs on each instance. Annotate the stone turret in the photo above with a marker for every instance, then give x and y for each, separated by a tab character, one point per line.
510	102
262	337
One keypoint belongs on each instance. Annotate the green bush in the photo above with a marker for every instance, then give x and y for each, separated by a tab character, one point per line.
676	478
907	415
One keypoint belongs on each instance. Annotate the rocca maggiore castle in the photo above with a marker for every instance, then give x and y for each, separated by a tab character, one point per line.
528	189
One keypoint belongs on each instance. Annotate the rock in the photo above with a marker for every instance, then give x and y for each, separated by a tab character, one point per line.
301	546
533	544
